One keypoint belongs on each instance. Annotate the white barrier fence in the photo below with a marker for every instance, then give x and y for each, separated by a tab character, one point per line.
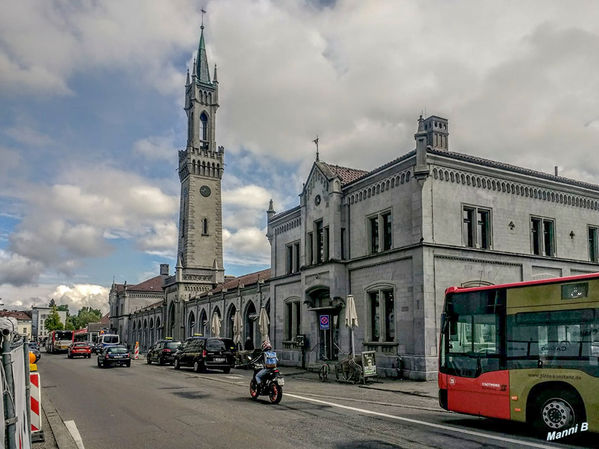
15	381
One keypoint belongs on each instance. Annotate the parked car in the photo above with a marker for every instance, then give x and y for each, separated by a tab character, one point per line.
34	347
163	352
202	353
114	355
79	349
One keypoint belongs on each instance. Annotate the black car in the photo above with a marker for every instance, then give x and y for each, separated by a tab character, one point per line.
203	353
113	356
163	352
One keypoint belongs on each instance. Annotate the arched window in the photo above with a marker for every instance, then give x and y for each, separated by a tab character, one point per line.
203	322
204	126
191	323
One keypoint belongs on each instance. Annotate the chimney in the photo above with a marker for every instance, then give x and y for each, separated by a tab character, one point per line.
437	132
164	269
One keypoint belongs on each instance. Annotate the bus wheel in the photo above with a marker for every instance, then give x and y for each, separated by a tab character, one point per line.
558	410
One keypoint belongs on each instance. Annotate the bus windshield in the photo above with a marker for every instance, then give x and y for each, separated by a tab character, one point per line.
63	335
473	329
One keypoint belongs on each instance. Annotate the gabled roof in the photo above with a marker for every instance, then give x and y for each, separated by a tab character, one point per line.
346	174
105	319
151	285
17	314
245	280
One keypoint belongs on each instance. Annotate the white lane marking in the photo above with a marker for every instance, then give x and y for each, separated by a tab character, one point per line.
234	377
387	404
422	423
72	427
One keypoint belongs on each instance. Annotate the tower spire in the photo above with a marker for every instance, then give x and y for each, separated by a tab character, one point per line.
316	142
202	59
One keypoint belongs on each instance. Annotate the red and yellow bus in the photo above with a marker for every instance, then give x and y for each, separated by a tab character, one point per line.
59	341
527	352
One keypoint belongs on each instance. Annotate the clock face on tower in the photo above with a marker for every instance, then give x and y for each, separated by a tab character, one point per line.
205	191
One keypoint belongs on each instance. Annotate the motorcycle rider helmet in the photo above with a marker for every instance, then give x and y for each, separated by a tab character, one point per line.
266	346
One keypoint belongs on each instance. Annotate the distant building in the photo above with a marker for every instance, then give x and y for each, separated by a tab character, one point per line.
23	321
38	321
125	299
94	329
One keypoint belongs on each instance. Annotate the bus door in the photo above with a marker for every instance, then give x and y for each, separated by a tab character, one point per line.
475	375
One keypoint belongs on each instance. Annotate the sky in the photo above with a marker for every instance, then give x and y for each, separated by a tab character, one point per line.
92	96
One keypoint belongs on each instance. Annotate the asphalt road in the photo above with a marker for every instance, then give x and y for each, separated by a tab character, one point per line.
157	407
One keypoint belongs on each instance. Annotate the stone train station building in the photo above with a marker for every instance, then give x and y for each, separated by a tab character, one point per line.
394	238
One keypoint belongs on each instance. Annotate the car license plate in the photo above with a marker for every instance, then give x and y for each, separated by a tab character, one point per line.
281	381
219	360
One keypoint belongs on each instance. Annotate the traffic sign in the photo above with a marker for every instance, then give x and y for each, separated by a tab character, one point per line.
324	322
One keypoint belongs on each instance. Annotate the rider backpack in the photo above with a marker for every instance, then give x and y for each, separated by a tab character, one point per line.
270	359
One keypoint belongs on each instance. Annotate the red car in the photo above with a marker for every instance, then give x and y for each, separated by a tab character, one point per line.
79	349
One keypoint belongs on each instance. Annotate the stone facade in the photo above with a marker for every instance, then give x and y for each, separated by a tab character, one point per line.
394	238
398	236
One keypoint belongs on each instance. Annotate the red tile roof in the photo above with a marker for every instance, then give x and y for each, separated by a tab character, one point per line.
151	285
18	314
105	319
245	280
346	174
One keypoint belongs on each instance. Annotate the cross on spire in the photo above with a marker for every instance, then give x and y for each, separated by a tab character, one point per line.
316	142
203	12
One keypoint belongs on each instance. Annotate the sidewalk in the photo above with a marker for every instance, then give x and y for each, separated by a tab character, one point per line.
428	389
56	434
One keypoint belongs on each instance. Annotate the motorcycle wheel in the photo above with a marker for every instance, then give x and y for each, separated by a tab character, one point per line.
254	389
275	393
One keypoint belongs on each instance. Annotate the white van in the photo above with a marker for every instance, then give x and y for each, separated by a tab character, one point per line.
108	340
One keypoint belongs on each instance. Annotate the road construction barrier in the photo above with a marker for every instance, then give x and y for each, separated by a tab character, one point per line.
36	403
136	352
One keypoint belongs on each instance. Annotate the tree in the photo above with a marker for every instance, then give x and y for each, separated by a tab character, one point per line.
63	308
52	303
87	315
53	323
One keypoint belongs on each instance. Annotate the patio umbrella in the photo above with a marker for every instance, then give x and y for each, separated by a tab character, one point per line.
215	326
263	323
237	327
351	318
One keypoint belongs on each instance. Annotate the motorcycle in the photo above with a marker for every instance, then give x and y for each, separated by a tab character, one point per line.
271	384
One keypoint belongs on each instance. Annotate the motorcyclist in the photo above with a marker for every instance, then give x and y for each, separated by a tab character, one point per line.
267	358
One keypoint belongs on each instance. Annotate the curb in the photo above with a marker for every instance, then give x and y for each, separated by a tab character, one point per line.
63	437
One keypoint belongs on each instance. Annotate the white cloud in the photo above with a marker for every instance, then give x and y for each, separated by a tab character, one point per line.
18	270
249	196
157	148
247	246
66	223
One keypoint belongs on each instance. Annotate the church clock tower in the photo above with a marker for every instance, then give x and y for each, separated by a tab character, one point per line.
201	164
200	248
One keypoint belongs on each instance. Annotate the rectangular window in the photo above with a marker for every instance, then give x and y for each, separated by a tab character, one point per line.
389	315
548	237
476	227
542	233
388	231
296	249
482	229
342	243
298	322
375	326
309	249
566	339
374	235
288	320
319	241
289	259
593	244
325	252
468	227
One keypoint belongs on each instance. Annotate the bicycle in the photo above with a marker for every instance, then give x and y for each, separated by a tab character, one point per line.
346	370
